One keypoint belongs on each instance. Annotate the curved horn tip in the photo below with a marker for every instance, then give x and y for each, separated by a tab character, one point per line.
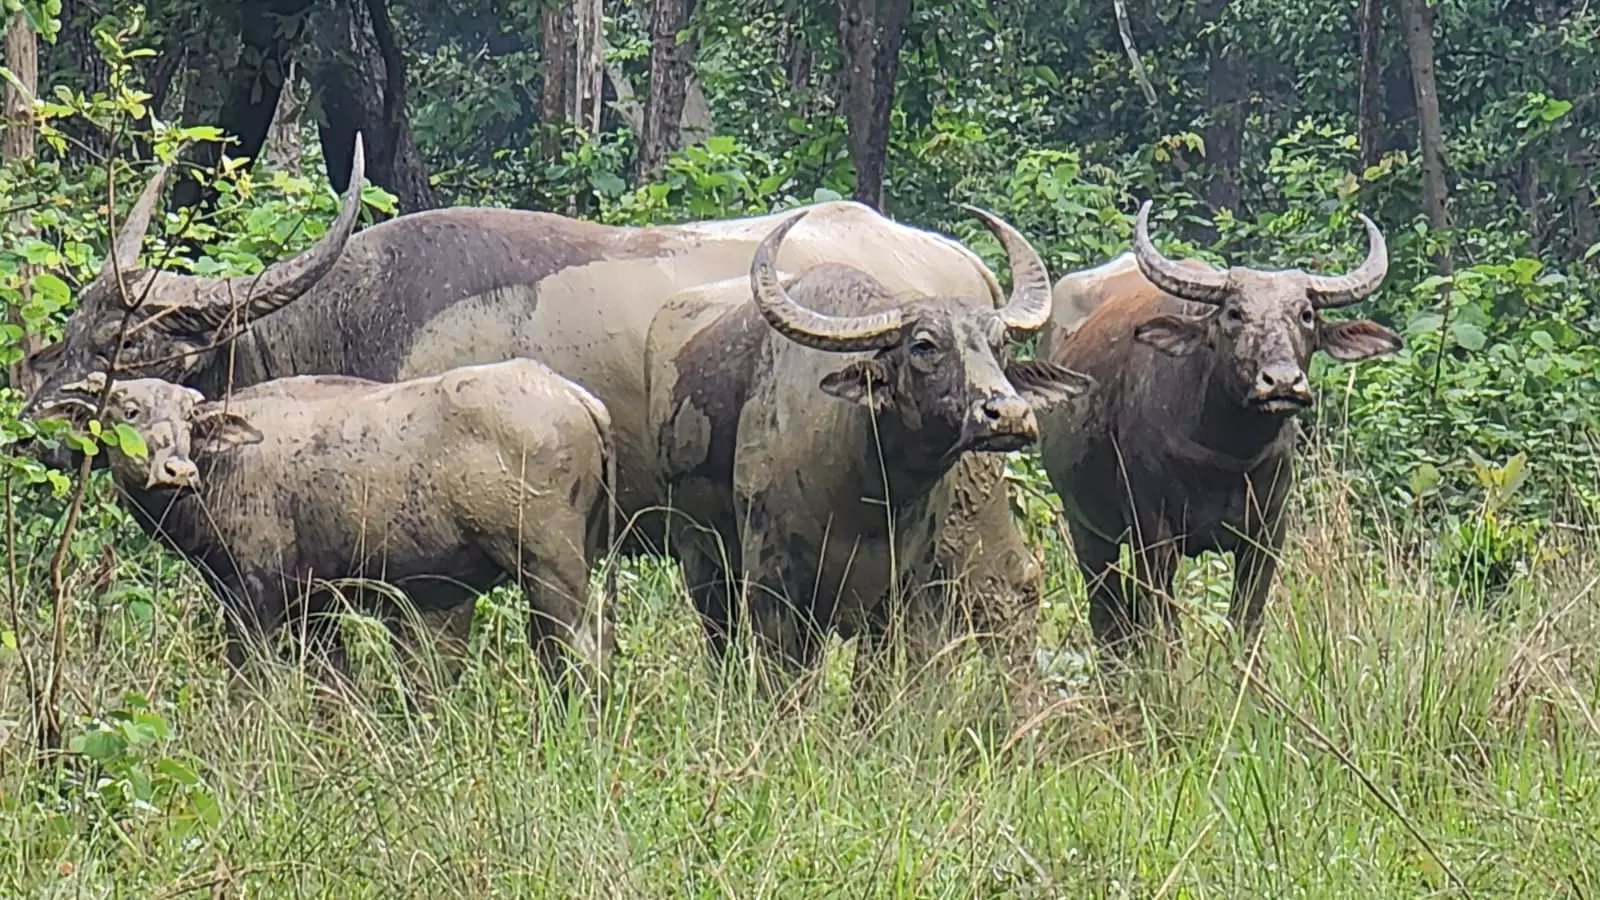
358	163
783	228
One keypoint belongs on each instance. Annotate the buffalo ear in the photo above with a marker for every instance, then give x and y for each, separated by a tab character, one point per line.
219	431
1042	383
1174	335
865	381
1357	340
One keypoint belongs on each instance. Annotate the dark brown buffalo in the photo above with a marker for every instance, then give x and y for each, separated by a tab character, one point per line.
802	438
1188	443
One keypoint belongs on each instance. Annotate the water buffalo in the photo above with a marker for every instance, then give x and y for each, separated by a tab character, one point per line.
424	293
443	486
1187	445
802	437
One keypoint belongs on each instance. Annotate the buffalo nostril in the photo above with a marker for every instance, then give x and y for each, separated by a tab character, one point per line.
991	412
1266	379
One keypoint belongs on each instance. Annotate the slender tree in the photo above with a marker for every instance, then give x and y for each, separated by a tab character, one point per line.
1419	23
671	63
268	33
870	35
358	78
1369	116
17	143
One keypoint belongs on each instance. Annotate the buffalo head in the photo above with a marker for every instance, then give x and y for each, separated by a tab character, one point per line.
175	422
130	319
941	363
1263	326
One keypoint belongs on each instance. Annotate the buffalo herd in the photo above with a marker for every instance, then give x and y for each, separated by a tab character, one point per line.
802	409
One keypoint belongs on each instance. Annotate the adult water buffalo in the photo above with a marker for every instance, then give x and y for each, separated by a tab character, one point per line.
427	292
442	486
1187	445
803	437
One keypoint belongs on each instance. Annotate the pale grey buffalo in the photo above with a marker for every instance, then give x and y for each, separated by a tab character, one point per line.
803	437
428	292
1187	445
442	486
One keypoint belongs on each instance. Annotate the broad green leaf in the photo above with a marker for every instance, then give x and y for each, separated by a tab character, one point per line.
51	291
130	441
1468	335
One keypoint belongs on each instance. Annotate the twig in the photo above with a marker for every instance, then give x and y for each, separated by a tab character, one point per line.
1126	31
29	677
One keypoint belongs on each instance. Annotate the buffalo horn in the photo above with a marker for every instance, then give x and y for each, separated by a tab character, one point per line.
807	327
1029	306
1332	291
278	284
1192	284
124	253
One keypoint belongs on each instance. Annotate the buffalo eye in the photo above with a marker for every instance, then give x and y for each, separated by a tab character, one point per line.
1307	318
1235	315
130	413
923	347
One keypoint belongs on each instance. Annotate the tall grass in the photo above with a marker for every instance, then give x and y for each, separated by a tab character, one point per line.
1388	741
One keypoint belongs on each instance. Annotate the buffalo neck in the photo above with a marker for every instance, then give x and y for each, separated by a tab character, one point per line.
1218	431
244	362
910	463
175	518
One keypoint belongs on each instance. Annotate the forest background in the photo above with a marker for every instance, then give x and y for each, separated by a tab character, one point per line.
1448	499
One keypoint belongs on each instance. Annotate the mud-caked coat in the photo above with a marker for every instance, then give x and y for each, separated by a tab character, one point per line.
1187	443
442	486
427	292
802	435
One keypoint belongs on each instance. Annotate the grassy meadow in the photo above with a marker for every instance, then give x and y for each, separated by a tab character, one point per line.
1389	741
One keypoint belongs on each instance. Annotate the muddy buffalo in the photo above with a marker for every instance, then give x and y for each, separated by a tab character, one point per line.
442	486
1187	444
803	436
424	293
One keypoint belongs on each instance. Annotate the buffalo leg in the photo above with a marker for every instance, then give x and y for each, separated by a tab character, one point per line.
571	636
248	621
1156	567
438	635
908	627
710	585
1255	566
993	572
1122	617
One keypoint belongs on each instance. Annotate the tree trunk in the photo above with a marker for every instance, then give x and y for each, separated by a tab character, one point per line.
284	148
17	143
74	61
574	72
359	80
1369	115
22	58
1419	20
268	32
1226	90
1584	232
671	62
573	64
870	35
1528	192
796	56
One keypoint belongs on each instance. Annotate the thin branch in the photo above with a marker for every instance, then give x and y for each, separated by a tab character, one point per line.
1126	31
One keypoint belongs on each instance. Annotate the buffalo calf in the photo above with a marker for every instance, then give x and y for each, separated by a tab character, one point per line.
442	487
